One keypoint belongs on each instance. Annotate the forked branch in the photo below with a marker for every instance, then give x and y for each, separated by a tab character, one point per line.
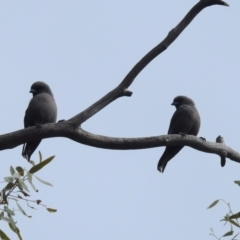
72	128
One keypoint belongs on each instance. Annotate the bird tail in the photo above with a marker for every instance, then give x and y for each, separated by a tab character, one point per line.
223	161
168	154
29	148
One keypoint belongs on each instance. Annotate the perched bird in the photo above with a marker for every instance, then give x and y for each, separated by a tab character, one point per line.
41	109
185	120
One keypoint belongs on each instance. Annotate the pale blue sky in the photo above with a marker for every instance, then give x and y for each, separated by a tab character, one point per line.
83	49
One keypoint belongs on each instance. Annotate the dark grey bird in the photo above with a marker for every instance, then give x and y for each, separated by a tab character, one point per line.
185	120
42	109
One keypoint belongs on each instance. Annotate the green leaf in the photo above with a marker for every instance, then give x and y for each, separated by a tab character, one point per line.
9	186
237	182
235	236
236	215
233	222
3	235
40	165
8	179
213	204
40	156
23	185
3	195
16	175
12	171
228	234
20	170
22	211
15	230
5	219
12	223
9	211
30	181
51	210
42	181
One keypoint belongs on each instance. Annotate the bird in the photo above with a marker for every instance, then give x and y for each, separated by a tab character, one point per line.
185	120
42	109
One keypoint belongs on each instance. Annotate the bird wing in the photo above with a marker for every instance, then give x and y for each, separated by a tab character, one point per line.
41	109
182	120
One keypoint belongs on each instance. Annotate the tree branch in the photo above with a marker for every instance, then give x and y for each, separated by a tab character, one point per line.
63	129
70	128
121	89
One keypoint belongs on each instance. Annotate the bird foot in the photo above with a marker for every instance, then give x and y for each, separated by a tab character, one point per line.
203	139
183	134
40	125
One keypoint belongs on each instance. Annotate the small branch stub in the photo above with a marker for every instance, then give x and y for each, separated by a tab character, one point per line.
127	93
220	139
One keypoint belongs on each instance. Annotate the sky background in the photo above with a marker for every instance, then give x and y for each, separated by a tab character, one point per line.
83	49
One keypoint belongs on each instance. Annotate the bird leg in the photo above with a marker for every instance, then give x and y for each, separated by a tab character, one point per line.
204	139
38	124
183	134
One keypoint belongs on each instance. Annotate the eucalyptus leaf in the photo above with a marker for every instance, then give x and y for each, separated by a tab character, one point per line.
20	170
51	210
15	230
42	181
8	179
237	182
40	165
12	171
12	223
9	211
16	175
228	234
3	235
30	181
3	195
236	215
233	222
23	185
22	211
9	186
213	204
5	219
235	236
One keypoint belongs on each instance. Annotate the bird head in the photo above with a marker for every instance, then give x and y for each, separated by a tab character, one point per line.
182	100
40	87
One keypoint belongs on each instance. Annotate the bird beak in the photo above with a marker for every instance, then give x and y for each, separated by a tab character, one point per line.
174	104
32	91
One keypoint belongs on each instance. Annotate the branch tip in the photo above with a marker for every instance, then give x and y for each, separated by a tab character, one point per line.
212	2
223	3
127	93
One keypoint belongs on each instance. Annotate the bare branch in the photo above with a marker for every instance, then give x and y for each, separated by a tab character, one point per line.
70	129
79	135
121	89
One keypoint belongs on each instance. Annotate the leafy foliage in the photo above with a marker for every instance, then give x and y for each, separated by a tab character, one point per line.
230	218
17	190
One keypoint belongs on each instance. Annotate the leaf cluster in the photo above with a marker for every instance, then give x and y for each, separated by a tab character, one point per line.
17	190
229	218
